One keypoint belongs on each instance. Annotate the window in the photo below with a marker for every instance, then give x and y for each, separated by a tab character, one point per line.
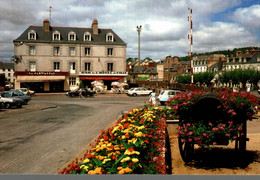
72	36
56	66
109	51
31	50
56	36
72	67
87	51
32	35
3	69
9	74
110	66
9	70
56	51
72	81
87	66
32	66
72	51
109	37
87	36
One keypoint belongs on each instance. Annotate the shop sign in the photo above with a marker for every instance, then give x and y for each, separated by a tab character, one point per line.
101	78
143	77
41	73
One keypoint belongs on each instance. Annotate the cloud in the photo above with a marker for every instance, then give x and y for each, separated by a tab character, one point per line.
248	17
164	23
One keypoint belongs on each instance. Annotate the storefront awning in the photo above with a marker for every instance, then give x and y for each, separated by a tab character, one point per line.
39	78
101	77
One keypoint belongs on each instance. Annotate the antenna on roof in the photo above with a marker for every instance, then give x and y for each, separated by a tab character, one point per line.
50	14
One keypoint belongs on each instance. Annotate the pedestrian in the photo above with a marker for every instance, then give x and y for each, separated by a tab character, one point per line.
152	99
248	86
80	94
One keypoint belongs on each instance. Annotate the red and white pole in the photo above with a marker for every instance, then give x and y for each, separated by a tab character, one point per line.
191	49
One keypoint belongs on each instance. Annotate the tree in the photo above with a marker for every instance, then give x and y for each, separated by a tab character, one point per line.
148	58
238	76
186	79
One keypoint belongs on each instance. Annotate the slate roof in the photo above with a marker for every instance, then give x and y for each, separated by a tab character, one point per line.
42	36
141	70
6	65
185	62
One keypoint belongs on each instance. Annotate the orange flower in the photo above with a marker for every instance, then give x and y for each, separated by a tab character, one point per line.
147	142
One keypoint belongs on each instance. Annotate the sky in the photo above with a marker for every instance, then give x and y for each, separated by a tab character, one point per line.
217	24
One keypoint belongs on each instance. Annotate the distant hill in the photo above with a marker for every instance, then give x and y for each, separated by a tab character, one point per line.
225	52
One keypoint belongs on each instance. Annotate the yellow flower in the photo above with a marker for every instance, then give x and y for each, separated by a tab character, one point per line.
156	107
110	144
139	134
135	160
100	143
98	170
86	160
105	160
119	168
125	159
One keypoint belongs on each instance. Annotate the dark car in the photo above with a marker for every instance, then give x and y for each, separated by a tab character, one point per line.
85	93
20	95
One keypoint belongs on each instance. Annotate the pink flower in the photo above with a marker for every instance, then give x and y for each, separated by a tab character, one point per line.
215	129
190	133
155	158
227	135
214	143
188	124
234	137
183	140
204	134
205	146
210	124
234	113
190	139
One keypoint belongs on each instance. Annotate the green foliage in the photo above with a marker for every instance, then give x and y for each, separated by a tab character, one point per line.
240	76
203	77
81	85
186	79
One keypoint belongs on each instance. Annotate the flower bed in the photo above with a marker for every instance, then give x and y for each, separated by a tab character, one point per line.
237	107
133	146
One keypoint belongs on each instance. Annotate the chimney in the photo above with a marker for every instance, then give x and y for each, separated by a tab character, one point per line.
95	26
239	53
46	25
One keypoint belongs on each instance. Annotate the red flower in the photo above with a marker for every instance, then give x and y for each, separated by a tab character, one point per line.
126	125
147	142
106	138
131	149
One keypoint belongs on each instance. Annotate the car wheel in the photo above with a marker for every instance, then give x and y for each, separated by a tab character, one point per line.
134	94
8	106
25	102
162	103
19	106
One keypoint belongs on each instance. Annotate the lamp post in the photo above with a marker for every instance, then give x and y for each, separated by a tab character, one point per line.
139	31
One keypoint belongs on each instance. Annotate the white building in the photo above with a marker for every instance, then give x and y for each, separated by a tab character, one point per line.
50	58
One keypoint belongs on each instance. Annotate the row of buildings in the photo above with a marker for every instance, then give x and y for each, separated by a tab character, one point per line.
50	58
170	68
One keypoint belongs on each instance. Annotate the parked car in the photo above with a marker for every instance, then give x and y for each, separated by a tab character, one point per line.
26	91
85	93
166	95
140	91
19	94
9	101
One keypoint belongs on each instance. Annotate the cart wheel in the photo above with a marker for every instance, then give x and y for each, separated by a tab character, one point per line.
186	150
240	143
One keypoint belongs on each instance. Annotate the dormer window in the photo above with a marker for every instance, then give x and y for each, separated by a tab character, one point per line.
56	36
72	36
110	37
32	35
87	36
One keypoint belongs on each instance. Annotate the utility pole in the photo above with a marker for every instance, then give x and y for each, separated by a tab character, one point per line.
191	48
139	31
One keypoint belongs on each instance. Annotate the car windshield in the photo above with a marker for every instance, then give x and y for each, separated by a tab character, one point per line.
131	89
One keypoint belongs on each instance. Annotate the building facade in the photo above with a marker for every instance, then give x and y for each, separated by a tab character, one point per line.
8	70
243	60
49	58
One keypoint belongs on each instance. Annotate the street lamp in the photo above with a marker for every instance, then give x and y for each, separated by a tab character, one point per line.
139	31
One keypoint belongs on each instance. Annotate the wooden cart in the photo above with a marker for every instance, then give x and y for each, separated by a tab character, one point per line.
206	108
